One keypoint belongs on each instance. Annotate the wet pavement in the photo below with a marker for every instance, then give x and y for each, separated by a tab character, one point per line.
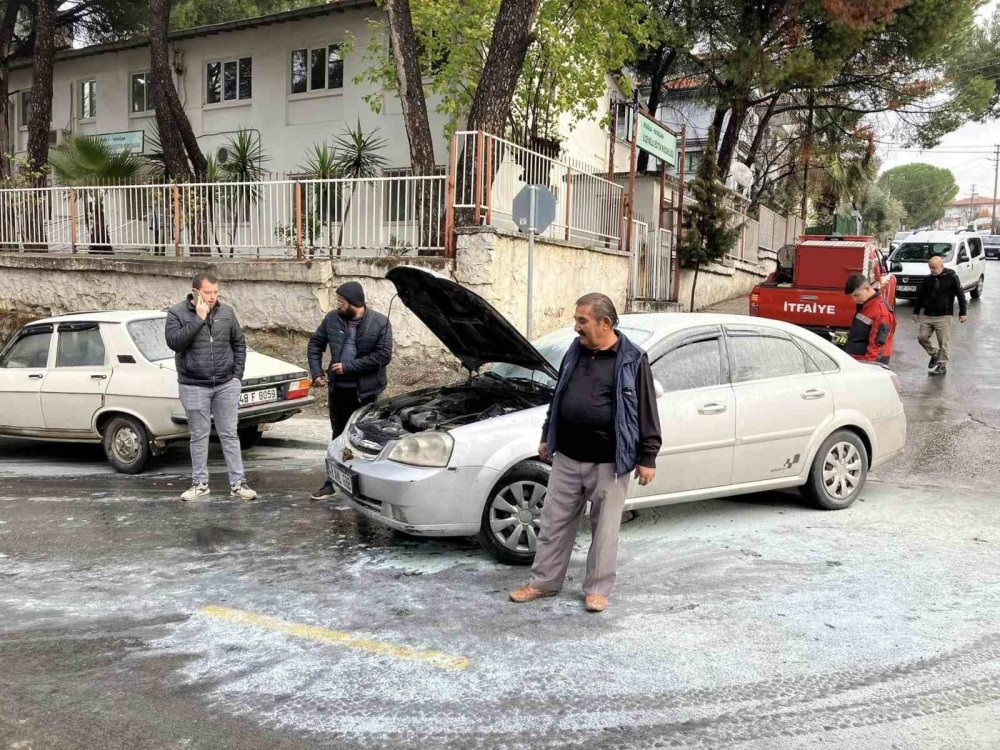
131	620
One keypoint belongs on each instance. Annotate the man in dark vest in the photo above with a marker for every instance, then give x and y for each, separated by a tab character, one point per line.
602	425
360	344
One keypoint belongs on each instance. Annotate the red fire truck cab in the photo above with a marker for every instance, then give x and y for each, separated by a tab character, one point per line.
807	288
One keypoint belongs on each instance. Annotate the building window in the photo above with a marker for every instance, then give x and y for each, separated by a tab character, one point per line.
142	93
317	69
25	108
88	99
229	80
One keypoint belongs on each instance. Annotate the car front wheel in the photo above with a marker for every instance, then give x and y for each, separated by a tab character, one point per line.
978	291
126	445
838	472
513	513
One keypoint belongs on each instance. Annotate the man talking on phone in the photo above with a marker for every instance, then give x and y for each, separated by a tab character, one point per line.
360	344
210	355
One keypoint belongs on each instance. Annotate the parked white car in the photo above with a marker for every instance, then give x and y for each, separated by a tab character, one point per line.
109	378
746	405
962	251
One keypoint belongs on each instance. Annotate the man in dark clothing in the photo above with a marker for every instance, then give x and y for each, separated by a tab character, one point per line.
874	325
602	424
360	343
210	356
936	300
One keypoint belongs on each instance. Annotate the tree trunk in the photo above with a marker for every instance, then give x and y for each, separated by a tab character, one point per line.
411	97
694	283
508	49
758	137
7	24
102	238
727	151
43	58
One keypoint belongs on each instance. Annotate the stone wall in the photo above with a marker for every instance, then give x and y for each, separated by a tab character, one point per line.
287	296
721	281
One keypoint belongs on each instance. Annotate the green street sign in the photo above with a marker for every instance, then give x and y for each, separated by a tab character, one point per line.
657	141
131	140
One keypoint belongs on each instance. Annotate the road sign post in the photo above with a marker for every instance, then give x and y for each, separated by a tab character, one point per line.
534	210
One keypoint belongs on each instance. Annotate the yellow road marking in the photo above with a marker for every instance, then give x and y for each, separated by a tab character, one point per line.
338	637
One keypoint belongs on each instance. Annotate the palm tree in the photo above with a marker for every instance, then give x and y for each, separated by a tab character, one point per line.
325	197
90	163
242	163
357	158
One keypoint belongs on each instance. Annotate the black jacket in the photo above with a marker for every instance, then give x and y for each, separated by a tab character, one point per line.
937	295
210	352
374	350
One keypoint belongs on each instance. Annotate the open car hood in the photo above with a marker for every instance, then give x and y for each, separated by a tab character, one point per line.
471	328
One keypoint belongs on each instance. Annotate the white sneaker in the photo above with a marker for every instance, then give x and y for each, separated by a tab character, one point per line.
197	492
243	491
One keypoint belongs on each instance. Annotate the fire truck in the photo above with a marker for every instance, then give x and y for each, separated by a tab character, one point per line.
807	288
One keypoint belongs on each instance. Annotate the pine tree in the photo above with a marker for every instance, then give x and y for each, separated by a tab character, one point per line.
708	224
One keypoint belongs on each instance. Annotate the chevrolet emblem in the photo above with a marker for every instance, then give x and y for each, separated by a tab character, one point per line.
348	454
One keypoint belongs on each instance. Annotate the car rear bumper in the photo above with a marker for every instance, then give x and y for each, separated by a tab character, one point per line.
277	412
992	252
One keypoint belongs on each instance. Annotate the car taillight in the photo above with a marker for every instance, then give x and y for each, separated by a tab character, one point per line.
755	304
299	389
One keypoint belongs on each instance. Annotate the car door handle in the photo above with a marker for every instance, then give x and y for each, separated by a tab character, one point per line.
712	408
98	377
812	394
35	376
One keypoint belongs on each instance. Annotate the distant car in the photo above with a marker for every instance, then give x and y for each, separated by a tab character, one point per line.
746	405
109	378
961	251
991	246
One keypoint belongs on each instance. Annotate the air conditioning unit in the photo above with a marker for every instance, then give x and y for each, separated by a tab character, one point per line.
59	136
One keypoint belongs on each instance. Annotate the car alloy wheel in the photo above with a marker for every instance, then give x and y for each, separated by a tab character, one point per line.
516	514
126	444
842	471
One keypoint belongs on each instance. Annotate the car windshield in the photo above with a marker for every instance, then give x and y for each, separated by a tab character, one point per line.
149	338
553	347
921	252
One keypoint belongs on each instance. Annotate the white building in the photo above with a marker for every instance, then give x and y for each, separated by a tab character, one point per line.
289	76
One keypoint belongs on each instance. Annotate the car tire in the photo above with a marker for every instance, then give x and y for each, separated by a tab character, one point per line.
126	445
249	436
838	472
505	531
977	292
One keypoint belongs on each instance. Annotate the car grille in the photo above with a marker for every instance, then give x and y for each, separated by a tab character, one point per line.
367	502
909	279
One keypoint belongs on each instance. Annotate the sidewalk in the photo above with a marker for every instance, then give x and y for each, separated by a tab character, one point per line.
735	306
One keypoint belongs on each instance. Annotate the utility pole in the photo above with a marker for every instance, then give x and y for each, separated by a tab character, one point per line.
973	199
996	173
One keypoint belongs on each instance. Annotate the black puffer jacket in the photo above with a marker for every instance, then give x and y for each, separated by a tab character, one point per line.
210	352
374	350
938	294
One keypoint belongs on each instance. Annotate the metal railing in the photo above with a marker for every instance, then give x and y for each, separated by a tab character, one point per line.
652	263
302	219
489	171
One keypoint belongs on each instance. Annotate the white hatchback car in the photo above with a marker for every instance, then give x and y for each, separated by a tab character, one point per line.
746	405
109	377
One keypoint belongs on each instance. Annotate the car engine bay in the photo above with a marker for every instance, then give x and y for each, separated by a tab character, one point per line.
482	397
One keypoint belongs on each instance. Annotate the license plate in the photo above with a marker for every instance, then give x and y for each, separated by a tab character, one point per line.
253	398
907	289
344	478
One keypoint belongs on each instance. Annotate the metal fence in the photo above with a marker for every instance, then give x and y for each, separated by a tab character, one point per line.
275	219
652	263
490	171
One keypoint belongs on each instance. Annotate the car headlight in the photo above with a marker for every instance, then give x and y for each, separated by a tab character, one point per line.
423	449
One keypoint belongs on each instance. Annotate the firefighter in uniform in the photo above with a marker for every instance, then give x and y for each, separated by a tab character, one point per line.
874	326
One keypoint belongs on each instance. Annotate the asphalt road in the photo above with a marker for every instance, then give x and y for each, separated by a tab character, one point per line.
131	620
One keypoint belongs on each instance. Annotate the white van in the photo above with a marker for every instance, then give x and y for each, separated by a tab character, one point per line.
961	251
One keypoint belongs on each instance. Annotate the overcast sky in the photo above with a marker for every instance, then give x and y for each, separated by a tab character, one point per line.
968	152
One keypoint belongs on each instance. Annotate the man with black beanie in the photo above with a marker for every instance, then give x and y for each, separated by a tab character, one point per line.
360	344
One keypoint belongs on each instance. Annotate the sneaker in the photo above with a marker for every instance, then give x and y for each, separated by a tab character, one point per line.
197	492
933	363
325	492
939	370
242	491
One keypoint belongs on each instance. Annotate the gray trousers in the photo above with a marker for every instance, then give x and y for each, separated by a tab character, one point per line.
940	325
572	485
221	403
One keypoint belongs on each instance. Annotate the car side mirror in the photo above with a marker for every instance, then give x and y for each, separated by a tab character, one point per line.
658	389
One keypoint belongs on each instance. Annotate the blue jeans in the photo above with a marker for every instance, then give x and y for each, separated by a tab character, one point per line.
221	403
